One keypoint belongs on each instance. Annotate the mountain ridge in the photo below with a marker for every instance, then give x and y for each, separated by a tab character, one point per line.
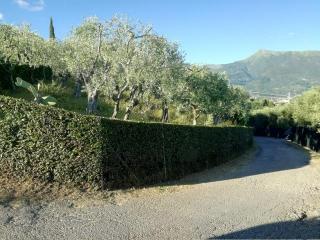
276	72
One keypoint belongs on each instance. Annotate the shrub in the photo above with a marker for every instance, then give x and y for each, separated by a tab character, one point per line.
143	153
51	144
48	143
271	121
24	72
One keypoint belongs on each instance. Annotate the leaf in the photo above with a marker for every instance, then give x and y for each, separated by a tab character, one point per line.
26	85
49	100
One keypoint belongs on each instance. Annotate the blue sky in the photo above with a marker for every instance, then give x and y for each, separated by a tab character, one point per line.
208	31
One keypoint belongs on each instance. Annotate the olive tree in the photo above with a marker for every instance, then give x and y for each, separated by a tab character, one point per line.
306	108
55	58
126	40
164	69
86	58
20	46
201	91
238	105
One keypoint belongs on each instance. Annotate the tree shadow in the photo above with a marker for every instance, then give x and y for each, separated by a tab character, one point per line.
270	155
298	229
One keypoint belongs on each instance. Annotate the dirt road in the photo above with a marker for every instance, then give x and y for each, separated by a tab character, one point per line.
274	193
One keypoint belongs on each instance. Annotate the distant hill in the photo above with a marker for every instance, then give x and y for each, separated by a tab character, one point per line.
275	72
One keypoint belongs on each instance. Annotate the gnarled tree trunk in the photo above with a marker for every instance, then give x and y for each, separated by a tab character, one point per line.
117	96
92	101
127	114
116	108
77	88
195	114
165	112
133	101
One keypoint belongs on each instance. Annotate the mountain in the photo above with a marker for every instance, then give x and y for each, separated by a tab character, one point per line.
275	72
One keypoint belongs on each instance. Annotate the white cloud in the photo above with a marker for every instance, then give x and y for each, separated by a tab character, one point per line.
1	16
31	5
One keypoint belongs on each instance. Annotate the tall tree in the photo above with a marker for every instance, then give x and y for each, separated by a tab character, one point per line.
202	91
51	30
20	46
127	40
163	70
87	58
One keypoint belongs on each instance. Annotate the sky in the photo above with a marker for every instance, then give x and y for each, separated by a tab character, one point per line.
208	31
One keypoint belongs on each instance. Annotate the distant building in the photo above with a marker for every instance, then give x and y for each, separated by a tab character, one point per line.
276	98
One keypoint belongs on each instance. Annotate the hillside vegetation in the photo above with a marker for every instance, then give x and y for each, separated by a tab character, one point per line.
119	69
302	111
54	145
275	72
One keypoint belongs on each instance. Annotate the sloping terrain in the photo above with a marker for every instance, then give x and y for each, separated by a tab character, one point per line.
275	72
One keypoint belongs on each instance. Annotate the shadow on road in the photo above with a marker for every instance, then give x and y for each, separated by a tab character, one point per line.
271	155
299	229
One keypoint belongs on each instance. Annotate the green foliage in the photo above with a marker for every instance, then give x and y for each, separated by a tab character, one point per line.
260	103
202	91
51	30
275	72
271	121
125	63
174	151
301	111
306	108
28	86
31	75
46	100
51	144
237	105
48	143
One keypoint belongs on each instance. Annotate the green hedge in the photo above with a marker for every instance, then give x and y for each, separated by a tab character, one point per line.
24	72
51	144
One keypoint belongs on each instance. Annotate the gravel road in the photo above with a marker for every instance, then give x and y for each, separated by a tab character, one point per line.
273	193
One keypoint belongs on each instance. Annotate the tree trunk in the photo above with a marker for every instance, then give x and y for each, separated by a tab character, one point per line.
92	101
63	80
194	121
117	96
216	119
13	85
127	114
165	112
12	81
195	115
116	108
77	89
133	101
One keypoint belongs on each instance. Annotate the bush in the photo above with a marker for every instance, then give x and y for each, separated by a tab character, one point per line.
306	136
271	121
51	144
24	72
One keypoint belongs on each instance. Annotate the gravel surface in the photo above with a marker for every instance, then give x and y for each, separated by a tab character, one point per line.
272	193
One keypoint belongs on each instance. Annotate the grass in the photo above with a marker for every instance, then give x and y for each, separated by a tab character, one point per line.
66	100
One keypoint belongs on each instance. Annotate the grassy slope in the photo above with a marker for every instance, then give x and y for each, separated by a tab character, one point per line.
66	100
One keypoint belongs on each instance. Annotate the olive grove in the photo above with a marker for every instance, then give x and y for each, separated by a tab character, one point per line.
128	65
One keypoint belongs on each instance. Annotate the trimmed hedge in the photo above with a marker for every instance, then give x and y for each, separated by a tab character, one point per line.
52	144
306	136
270	124
24	72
